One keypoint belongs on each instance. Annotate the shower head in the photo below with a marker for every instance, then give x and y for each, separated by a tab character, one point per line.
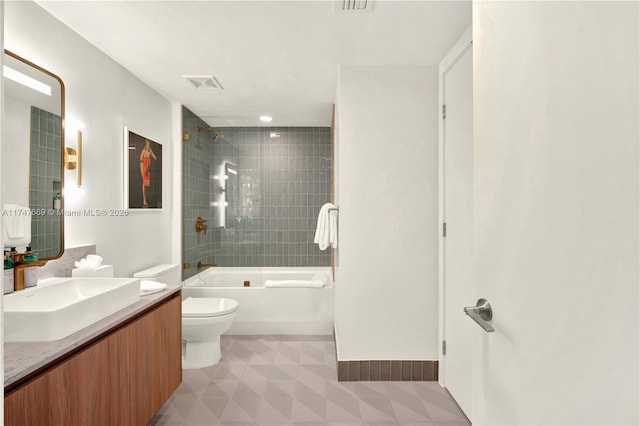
216	135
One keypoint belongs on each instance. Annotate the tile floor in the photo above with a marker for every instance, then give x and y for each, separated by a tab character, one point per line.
291	380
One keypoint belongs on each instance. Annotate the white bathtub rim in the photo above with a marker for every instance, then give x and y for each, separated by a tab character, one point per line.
198	280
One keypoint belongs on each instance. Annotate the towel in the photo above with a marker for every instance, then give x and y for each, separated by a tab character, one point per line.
14	220
327	227
333	228
92	261
322	277
148	287
294	283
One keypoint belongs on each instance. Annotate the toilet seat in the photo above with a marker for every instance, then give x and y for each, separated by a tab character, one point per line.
202	307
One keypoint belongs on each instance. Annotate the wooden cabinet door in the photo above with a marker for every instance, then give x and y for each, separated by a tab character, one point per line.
43	402
123	379
166	352
82	390
155	360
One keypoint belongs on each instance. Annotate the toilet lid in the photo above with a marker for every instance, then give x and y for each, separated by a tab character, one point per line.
207	306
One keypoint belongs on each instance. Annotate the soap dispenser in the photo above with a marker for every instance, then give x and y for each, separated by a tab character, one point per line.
57	201
31	268
7	278
14	256
30	256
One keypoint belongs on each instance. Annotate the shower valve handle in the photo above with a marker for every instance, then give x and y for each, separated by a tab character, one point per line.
201	225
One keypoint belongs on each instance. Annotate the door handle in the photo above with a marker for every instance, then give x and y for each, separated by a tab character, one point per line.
481	313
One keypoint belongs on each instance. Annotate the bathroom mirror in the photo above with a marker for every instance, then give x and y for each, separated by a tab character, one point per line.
232	195
32	160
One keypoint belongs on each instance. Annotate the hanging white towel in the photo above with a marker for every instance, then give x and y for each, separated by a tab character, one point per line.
14	220
327	227
17	226
322	235
333	228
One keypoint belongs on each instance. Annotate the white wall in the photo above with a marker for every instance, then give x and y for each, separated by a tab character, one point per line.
2	201
387	280
176	204
105	97
556	210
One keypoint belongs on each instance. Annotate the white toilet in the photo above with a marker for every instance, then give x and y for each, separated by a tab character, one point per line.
204	319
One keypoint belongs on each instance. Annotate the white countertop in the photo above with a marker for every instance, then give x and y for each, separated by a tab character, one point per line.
24	358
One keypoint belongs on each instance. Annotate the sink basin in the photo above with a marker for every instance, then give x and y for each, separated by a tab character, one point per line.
58	307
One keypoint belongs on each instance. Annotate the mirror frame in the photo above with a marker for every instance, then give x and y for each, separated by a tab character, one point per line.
62	148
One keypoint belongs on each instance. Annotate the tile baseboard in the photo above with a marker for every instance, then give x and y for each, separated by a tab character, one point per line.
386	370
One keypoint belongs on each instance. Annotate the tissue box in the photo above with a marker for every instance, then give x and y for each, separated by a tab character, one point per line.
102	271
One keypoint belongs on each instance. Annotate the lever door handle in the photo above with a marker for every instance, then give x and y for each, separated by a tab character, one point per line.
481	313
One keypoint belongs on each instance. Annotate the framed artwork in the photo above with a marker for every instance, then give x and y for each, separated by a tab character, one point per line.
142	173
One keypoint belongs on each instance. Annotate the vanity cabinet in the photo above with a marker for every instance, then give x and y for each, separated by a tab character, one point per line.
123	378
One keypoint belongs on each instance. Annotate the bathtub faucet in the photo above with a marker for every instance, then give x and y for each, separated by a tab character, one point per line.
201	265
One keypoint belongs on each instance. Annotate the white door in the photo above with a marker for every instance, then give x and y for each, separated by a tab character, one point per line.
556	212
457	80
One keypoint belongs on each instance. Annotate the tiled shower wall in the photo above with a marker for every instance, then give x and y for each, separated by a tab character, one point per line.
196	171
285	177
44	182
297	174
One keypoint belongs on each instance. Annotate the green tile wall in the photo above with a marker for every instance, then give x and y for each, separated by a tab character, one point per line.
284	181
45	181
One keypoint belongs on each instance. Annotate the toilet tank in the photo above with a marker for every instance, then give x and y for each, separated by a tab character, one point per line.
166	273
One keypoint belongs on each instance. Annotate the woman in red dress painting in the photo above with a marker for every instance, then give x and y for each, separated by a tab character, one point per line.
145	169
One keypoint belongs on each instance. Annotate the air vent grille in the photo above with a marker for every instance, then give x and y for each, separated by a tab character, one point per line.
204	81
353	5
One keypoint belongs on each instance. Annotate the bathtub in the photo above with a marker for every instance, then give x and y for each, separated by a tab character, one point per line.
266	310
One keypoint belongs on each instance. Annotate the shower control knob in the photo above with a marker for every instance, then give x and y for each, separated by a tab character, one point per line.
201	225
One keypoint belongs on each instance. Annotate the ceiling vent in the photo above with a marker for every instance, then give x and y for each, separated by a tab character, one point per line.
204	81
353	5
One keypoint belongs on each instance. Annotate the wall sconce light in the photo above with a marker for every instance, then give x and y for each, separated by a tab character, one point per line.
73	159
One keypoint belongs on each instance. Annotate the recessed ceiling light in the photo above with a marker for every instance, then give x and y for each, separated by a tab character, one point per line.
266	118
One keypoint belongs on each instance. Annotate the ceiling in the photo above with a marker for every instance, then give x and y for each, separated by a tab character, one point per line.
279	58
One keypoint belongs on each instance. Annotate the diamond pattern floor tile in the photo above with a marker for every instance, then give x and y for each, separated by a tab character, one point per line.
284	372
280	389
275	411
346	410
220	389
291	380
